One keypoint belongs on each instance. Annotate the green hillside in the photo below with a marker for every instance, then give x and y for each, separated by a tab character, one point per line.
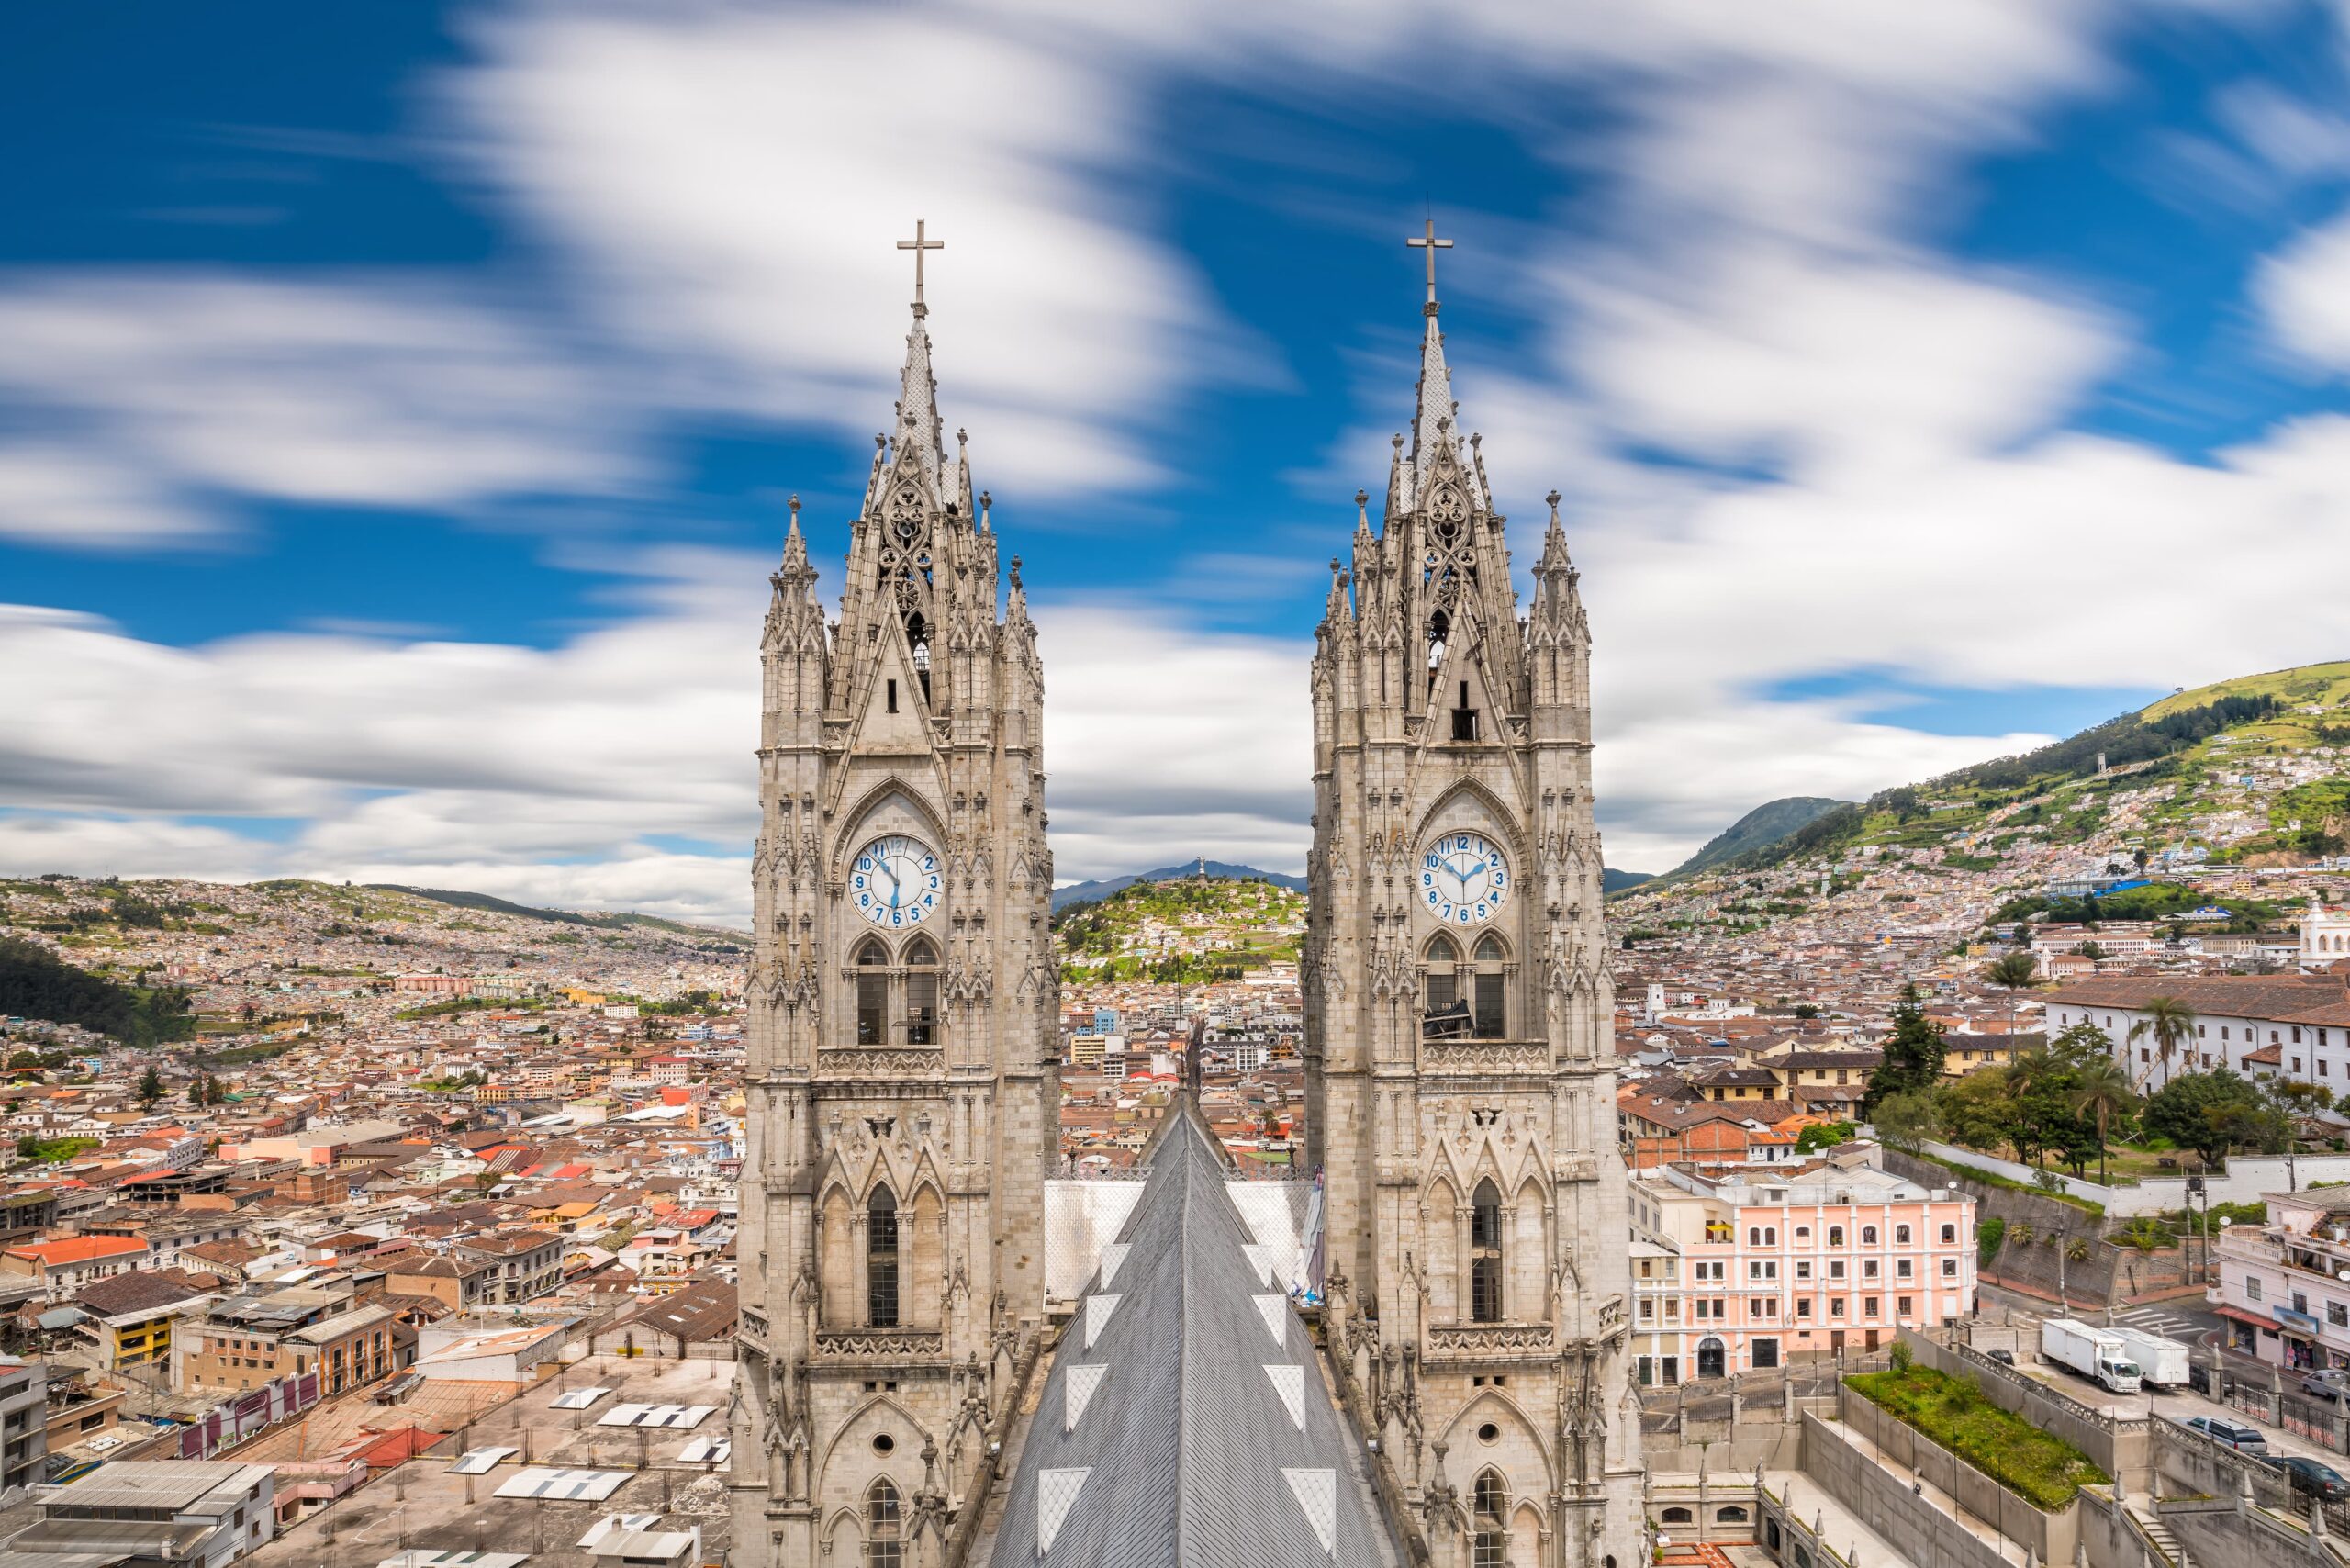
459	900
2178	756
1759	829
1181	931
36	983
2250	773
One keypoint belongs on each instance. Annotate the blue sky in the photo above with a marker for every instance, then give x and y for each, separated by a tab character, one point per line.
398	405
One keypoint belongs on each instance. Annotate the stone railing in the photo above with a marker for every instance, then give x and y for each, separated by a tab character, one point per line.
879	1344
1485	1055
1503	1341
880	1061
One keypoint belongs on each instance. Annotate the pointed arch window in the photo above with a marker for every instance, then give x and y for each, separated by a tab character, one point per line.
922	992
1444	1013
1489	1540
918	639
872	994
885	1527
881	1259
1486	978
1440	629
898	998
1486	1253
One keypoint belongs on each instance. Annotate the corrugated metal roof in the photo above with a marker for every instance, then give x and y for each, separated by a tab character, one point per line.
1181	1426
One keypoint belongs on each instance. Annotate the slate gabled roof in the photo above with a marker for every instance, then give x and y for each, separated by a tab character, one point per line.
1186	1420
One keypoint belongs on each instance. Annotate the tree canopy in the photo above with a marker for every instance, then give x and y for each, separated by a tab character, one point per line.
1913	1055
36	983
2214	1112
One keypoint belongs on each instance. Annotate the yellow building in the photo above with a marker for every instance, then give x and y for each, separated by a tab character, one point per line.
130	1316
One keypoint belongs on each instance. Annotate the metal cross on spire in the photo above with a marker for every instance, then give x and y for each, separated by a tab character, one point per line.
918	245
1431	245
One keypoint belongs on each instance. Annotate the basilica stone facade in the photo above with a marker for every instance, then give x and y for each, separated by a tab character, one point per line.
1459	1064
903	1077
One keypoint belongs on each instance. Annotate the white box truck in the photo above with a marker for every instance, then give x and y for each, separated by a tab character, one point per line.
2160	1362
2097	1354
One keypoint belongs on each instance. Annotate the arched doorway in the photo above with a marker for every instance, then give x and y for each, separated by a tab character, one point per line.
1712	1358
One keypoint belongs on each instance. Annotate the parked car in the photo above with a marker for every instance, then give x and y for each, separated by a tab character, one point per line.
2320	1481
2234	1434
2330	1384
2005	1358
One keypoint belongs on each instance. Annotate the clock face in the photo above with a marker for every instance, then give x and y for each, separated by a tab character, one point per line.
1463	879
895	882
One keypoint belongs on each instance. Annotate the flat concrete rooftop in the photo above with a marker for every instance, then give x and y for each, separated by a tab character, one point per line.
423	1505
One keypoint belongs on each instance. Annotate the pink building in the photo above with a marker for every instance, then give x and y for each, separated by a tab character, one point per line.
1744	1271
2285	1286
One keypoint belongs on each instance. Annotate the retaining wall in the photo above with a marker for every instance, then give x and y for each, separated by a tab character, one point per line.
1882	1501
2190	1465
2221	1535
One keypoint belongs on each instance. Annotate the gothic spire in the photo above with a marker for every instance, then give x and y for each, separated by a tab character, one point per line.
1432	419
919	426
795	618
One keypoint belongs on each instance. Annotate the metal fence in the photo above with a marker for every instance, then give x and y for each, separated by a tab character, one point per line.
2257	1393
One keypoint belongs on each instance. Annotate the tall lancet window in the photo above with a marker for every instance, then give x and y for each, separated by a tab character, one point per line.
1488	1545
922	992
1439	628
1442	1016
881	1259
885	1539
1486	1253
1490	960
872	994
918	635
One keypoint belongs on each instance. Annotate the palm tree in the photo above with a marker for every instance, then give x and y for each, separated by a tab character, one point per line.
2102	1085
2170	1022
2015	972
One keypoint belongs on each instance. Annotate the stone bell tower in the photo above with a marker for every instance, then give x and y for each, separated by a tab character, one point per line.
1459	1057
902	1074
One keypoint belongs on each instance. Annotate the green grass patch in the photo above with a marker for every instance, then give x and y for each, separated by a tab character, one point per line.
2042	1468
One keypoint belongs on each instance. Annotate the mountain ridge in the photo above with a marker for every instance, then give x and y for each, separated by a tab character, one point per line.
1759	829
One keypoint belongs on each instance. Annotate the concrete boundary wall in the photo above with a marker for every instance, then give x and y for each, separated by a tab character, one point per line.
1881	1500
2246	1178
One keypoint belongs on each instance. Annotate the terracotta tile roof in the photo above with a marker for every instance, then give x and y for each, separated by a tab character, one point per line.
2276	999
79	1249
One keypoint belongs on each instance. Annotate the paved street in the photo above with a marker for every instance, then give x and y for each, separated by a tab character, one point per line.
2186	1321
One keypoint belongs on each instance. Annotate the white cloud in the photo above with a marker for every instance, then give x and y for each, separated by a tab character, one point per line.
1163	743
2304	292
731	184
155	391
1751	275
547	775
58	494
1781	355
